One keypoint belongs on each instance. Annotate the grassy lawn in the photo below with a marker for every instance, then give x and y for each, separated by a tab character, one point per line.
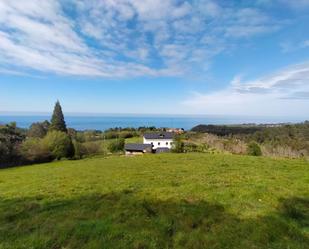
134	140
157	201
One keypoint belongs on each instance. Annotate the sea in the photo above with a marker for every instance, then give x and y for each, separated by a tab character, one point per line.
104	122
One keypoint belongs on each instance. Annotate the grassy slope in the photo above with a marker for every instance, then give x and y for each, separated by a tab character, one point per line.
156	201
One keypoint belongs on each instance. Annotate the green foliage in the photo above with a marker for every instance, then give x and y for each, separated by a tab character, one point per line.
78	150
91	148
86	149
72	133
38	130
127	134
57	121
60	144
35	150
225	130
10	139
295	136
192	147
254	149
178	145
110	135
156	201
116	145
280	137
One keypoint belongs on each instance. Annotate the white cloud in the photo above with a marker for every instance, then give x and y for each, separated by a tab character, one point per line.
122	38
285	92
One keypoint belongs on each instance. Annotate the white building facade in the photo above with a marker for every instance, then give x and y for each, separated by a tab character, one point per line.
159	140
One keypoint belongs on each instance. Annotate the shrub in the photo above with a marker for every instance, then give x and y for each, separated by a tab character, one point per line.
4	152
254	149
91	148
190	147
178	145
117	145
110	135
126	134
34	150
38	129
78	149
59	144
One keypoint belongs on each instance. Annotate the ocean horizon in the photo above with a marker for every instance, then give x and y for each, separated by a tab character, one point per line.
103	122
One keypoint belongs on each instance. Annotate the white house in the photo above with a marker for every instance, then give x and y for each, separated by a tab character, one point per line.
152	143
159	140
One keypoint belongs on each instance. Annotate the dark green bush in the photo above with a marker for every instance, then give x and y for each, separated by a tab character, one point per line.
254	149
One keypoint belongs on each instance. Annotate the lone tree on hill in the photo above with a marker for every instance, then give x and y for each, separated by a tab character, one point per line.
57	121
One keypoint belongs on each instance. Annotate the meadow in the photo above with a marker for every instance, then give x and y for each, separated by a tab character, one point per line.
191	200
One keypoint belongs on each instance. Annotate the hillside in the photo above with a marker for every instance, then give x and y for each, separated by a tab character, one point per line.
156	201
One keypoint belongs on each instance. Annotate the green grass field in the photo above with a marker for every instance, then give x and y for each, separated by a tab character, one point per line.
157	201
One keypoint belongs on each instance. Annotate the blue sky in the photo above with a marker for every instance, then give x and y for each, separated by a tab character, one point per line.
163	57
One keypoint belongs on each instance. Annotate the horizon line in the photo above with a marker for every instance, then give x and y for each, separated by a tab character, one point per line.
85	114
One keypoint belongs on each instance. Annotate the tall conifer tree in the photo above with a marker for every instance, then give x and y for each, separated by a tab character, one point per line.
57	121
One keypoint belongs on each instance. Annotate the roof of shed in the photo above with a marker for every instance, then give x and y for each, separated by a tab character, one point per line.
137	147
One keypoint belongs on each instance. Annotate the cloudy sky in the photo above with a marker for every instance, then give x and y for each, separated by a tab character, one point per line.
247	57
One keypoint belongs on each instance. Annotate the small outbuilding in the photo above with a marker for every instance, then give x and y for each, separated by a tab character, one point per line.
137	149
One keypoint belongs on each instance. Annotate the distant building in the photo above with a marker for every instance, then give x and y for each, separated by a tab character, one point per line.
176	130
152	143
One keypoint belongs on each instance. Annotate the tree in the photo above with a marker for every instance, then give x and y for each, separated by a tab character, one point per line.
59	144
178	145
57	120
38	130
35	150
10	139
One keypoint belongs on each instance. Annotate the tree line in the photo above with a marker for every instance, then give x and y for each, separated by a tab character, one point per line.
53	140
280	139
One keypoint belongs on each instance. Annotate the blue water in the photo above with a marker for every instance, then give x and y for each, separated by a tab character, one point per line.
104	122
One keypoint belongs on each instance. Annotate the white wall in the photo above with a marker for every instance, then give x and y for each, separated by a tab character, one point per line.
159	143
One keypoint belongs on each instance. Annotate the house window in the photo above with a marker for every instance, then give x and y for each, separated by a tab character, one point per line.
159	143
166	143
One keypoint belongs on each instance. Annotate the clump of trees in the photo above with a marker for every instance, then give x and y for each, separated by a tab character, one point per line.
53	140
280	140
226	130
38	129
48	141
